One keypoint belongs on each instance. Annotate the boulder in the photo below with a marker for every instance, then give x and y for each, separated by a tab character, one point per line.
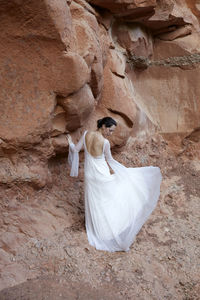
59	121
117	93
88	42
60	143
78	107
180	32
126	7
21	172
134	38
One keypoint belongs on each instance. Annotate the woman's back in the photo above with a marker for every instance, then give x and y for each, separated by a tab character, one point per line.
94	143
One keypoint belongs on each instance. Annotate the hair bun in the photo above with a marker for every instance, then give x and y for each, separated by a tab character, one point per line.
99	123
107	121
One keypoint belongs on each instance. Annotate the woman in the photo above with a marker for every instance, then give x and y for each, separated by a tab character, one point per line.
116	205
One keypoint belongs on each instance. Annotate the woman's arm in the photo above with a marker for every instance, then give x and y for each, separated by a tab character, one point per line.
73	156
114	164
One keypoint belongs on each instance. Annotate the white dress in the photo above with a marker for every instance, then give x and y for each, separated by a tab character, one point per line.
116	205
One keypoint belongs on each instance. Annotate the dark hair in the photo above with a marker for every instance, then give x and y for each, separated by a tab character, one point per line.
107	121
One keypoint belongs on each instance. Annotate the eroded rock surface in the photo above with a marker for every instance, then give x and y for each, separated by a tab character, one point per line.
64	63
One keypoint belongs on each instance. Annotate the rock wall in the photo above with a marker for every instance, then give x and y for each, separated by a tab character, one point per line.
65	64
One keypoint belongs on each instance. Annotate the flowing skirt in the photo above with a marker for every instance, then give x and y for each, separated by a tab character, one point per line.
117	205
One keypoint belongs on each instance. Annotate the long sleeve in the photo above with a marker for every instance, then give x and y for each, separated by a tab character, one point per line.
114	164
73	156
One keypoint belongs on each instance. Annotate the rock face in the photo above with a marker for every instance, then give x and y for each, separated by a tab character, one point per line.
66	63
131	9
78	107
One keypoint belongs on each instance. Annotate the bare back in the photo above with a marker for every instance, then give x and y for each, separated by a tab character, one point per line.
94	143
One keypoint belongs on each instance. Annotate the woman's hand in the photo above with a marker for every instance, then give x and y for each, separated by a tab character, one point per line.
68	136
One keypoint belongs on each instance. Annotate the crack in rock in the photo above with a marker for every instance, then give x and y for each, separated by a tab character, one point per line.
175	61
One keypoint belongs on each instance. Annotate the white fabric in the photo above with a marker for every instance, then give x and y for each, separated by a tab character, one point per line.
73	156
116	205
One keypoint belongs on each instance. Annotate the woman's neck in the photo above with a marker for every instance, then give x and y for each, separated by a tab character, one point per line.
99	131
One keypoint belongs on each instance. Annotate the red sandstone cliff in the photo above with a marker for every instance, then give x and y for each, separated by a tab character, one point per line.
66	63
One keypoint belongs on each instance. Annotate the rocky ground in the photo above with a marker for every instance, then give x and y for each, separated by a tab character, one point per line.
44	244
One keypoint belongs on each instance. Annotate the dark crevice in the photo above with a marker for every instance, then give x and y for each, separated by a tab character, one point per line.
194	135
117	74
128	121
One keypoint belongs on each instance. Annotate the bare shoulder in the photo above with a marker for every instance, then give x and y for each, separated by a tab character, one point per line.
89	135
93	135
